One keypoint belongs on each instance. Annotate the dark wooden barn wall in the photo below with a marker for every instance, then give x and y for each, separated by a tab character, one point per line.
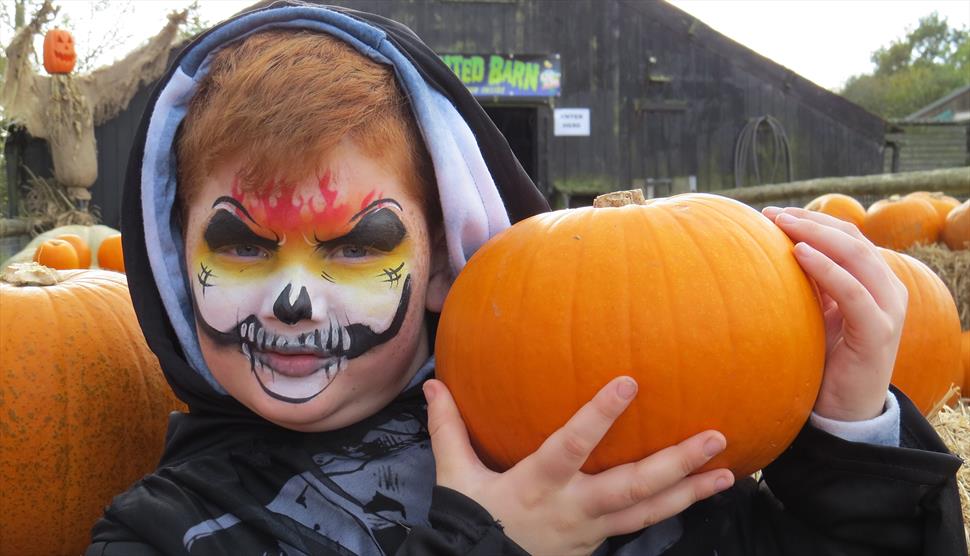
643	126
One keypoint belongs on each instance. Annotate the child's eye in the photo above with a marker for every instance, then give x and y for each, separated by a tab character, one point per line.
246	251
353	251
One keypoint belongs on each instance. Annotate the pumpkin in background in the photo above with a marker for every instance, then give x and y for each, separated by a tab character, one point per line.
92	236
83	405
698	297
928	360
840	206
80	247
956	229
110	256
56	253
59	53
901	222
965	361
942	203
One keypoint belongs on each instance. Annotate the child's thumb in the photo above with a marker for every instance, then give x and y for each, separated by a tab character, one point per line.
453	453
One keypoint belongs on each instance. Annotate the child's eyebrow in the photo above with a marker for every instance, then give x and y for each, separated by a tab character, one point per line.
226	229
239	206
371	206
380	229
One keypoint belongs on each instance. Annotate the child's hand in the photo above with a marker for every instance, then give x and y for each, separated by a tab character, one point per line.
864	305
546	504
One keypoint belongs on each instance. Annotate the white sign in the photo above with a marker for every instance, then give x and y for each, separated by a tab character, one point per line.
571	121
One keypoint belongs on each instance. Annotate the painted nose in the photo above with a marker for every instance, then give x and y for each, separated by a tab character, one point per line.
291	311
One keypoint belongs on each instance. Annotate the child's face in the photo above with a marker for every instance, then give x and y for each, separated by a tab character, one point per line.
310	299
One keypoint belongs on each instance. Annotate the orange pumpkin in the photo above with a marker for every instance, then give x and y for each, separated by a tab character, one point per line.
697	296
901	222
56	253
942	203
928	360
110	255
85	404
80	247
59	53
965	361
840	206
956	229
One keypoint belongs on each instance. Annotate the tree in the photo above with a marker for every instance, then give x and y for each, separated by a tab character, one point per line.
929	62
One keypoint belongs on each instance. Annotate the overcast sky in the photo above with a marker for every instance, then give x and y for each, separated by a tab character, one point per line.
826	41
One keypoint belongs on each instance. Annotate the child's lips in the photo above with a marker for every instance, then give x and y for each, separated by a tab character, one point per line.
295	365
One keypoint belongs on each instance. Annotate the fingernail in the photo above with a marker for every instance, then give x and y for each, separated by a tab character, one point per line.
804	249
627	388
785	218
713	446
770	209
429	392
722	483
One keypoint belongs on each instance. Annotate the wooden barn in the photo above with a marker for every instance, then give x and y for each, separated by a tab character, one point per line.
600	95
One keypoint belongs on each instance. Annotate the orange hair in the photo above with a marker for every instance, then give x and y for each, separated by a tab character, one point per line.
280	100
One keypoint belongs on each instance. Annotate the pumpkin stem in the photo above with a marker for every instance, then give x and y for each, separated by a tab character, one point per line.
29	274
620	199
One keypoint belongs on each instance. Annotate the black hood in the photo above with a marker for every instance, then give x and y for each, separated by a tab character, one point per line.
144	254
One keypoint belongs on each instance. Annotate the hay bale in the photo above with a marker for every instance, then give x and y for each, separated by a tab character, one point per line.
953	267
953	426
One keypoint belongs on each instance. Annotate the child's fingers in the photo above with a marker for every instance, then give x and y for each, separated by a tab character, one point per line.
625	486
564	452
855	302
818	217
453	453
858	258
670	502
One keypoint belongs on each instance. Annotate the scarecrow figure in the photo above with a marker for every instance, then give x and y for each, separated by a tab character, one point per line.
63	108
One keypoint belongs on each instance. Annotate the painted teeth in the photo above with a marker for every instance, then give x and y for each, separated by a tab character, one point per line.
259	337
252	333
346	337
245	350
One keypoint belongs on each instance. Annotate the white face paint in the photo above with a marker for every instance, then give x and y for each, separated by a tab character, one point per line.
310	298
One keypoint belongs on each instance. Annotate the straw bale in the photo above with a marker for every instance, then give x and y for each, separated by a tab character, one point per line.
952	423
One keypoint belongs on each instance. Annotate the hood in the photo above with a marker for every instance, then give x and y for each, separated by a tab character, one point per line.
481	186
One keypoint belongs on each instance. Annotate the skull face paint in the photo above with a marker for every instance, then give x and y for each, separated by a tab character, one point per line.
298	285
333	299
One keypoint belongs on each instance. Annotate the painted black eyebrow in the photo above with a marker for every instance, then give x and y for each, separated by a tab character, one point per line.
367	209
237	204
381	230
226	229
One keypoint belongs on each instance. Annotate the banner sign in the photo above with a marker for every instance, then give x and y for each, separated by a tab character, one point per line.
507	75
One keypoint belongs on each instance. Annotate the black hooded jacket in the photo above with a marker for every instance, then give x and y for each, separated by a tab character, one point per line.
226	472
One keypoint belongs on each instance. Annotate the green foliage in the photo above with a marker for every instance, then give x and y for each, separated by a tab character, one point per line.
929	62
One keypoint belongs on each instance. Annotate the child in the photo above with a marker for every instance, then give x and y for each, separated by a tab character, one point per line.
306	184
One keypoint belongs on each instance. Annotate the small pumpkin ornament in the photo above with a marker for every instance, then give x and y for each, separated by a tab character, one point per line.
59	53
928	359
56	253
902	222
698	297
840	206
110	255
956	228
80	247
83	404
942	203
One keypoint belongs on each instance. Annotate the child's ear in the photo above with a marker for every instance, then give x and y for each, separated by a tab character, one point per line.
439	274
